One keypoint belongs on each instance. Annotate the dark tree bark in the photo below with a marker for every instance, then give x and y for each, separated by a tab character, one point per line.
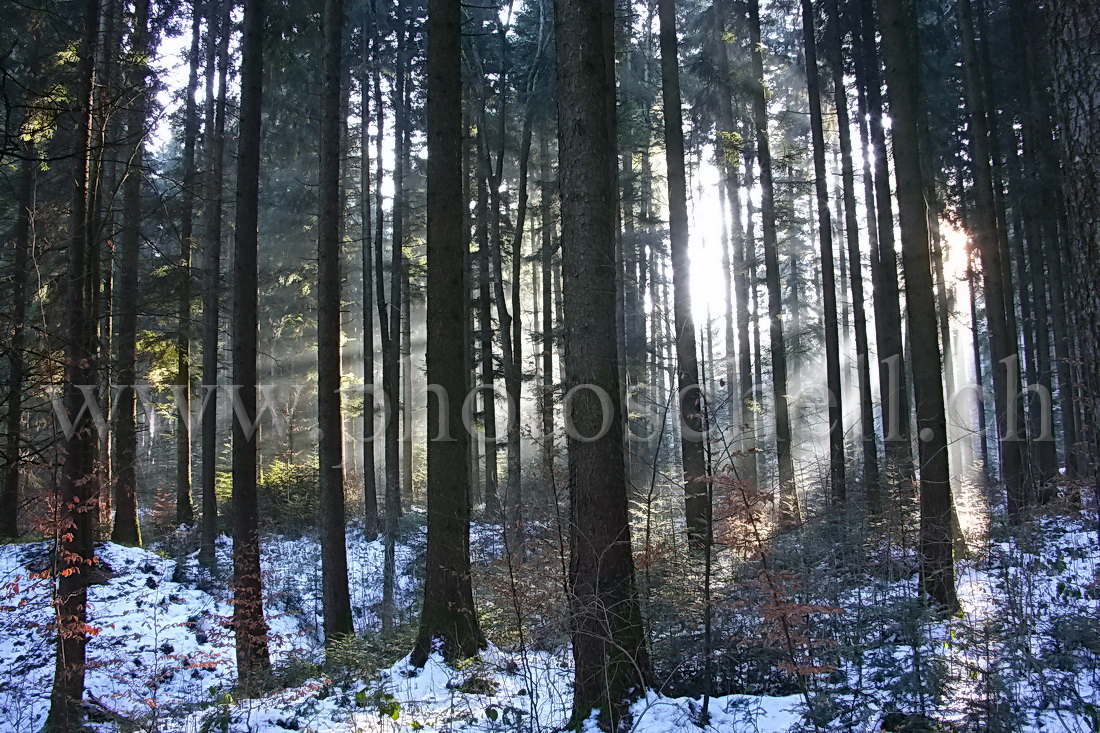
126	530
937	563
335	597
389	321
1075	39
789	513
485	328
828	273
739	378
855	260
1040	210
212	275
547	393
1006	370
611	663
884	273
874	488
370	485
514	367
389	458
448	620
76	491
687	358
9	499
390	307
405	352
401	285
185	510
249	626
506	314
102	227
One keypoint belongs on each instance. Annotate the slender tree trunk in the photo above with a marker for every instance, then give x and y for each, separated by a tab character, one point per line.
126	529
335	597
514	367
548	221
386	328
739	376
855	259
753	281
687	359
249	626
212	289
789	512
469	357
1040	213
391	310
937	563
828	274
449	620
405	351
76	489
185	511
101	222
611	663
1006	372
485	326
10	499
370	487
884	269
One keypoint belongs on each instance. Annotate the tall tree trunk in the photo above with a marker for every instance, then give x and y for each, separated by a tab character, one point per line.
370	487
469	325
972	287
102	224
219	18
386	328
884	271
1075	39
504	316
126	529
405	352
485	327
10	500
335	597
789	513
449	620
514	366
547	222
828	273
610	659
76	490
687	358
391	307
249	626
937	564
855	258
1040	228
739	376
185	511
1006	372
752	278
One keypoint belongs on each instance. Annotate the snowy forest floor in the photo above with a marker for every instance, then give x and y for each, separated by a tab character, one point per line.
1023	655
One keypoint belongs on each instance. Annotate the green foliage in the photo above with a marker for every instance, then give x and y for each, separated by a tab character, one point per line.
731	145
162	355
288	494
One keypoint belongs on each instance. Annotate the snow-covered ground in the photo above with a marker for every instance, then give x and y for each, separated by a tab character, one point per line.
164	659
